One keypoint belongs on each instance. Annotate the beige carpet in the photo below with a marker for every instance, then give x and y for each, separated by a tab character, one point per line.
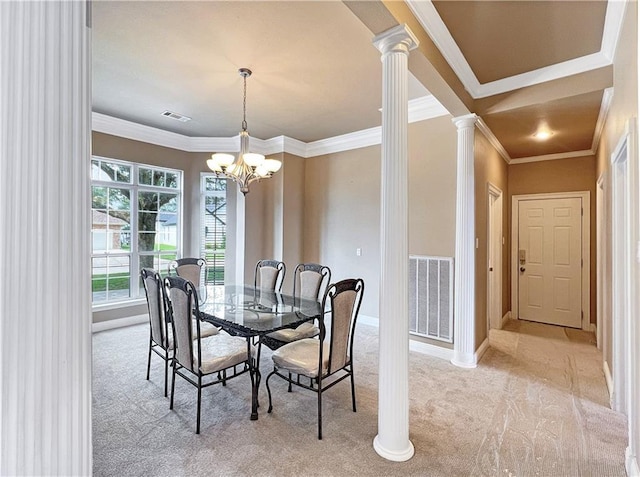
536	405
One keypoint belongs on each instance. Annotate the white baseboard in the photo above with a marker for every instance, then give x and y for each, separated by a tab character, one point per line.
414	345
368	320
119	323
505	318
631	463
431	350
482	349
608	379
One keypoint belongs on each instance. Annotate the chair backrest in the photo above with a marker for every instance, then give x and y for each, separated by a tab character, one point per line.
182	298
157	304
345	298
188	268
269	274
308	279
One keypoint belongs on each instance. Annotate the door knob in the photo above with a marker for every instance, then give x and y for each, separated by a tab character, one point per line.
522	269
491	269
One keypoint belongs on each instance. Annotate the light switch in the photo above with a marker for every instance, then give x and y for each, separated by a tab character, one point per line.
358	251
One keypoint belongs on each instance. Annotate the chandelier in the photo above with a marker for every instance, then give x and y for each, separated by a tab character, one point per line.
247	167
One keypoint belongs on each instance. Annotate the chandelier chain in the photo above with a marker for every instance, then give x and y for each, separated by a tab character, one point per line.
244	105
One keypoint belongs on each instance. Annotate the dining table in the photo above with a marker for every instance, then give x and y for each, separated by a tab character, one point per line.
252	312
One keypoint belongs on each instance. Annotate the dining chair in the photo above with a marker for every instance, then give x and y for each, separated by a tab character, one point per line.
328	360
188	268
196	359
308	279
161	337
269	275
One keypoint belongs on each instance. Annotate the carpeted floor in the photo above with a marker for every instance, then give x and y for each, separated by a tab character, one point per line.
536	405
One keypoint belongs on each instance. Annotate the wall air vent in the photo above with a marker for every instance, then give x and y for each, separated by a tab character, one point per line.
431	297
176	116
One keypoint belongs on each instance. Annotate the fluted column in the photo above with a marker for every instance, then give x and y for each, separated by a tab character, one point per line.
392	441
465	281
45	294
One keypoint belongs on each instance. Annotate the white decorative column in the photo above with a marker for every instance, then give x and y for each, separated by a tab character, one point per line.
45	284
465	280
392	441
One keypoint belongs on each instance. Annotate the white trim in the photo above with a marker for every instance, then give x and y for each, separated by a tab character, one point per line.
612	27
496	192
368	320
428	17
505	318
481	350
420	109
118	305
119	323
414	345
586	257
345	142
607	97
608	379
631	463
431	350
426	107
488	133
553	157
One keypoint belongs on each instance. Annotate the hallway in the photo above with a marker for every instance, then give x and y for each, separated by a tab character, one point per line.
553	415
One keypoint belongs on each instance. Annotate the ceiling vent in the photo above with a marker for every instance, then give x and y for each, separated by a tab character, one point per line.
176	116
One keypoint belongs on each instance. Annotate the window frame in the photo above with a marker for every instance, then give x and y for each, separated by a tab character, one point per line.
136	293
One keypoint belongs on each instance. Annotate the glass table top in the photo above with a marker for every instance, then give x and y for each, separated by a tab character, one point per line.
254	310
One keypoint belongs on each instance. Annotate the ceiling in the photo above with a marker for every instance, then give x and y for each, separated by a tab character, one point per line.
519	65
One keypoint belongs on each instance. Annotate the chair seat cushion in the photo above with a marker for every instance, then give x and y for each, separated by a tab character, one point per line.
301	357
220	351
305	330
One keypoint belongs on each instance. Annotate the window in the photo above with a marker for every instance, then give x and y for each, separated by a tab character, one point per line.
135	224
213	234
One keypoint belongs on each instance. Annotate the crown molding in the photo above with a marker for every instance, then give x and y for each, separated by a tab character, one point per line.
612	27
553	157
345	142
607	97
426	107
428	17
488	133
420	109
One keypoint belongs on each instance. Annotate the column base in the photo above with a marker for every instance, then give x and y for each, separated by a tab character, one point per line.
464	361
396	456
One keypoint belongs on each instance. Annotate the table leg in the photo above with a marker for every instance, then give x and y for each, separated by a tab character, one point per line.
256	377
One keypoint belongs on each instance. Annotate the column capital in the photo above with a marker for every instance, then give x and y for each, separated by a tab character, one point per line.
466	121
399	38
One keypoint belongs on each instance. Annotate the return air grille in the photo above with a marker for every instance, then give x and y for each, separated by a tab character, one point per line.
431	297
176	116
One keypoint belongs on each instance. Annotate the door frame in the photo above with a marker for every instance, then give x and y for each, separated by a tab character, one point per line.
586	241
494	283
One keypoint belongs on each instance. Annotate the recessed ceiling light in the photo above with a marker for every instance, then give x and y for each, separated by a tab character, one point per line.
542	135
176	116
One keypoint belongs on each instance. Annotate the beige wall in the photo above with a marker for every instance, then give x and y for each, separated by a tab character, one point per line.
293	215
624	106
342	205
342	213
490	168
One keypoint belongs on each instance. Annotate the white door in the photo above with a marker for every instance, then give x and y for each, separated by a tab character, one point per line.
550	261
